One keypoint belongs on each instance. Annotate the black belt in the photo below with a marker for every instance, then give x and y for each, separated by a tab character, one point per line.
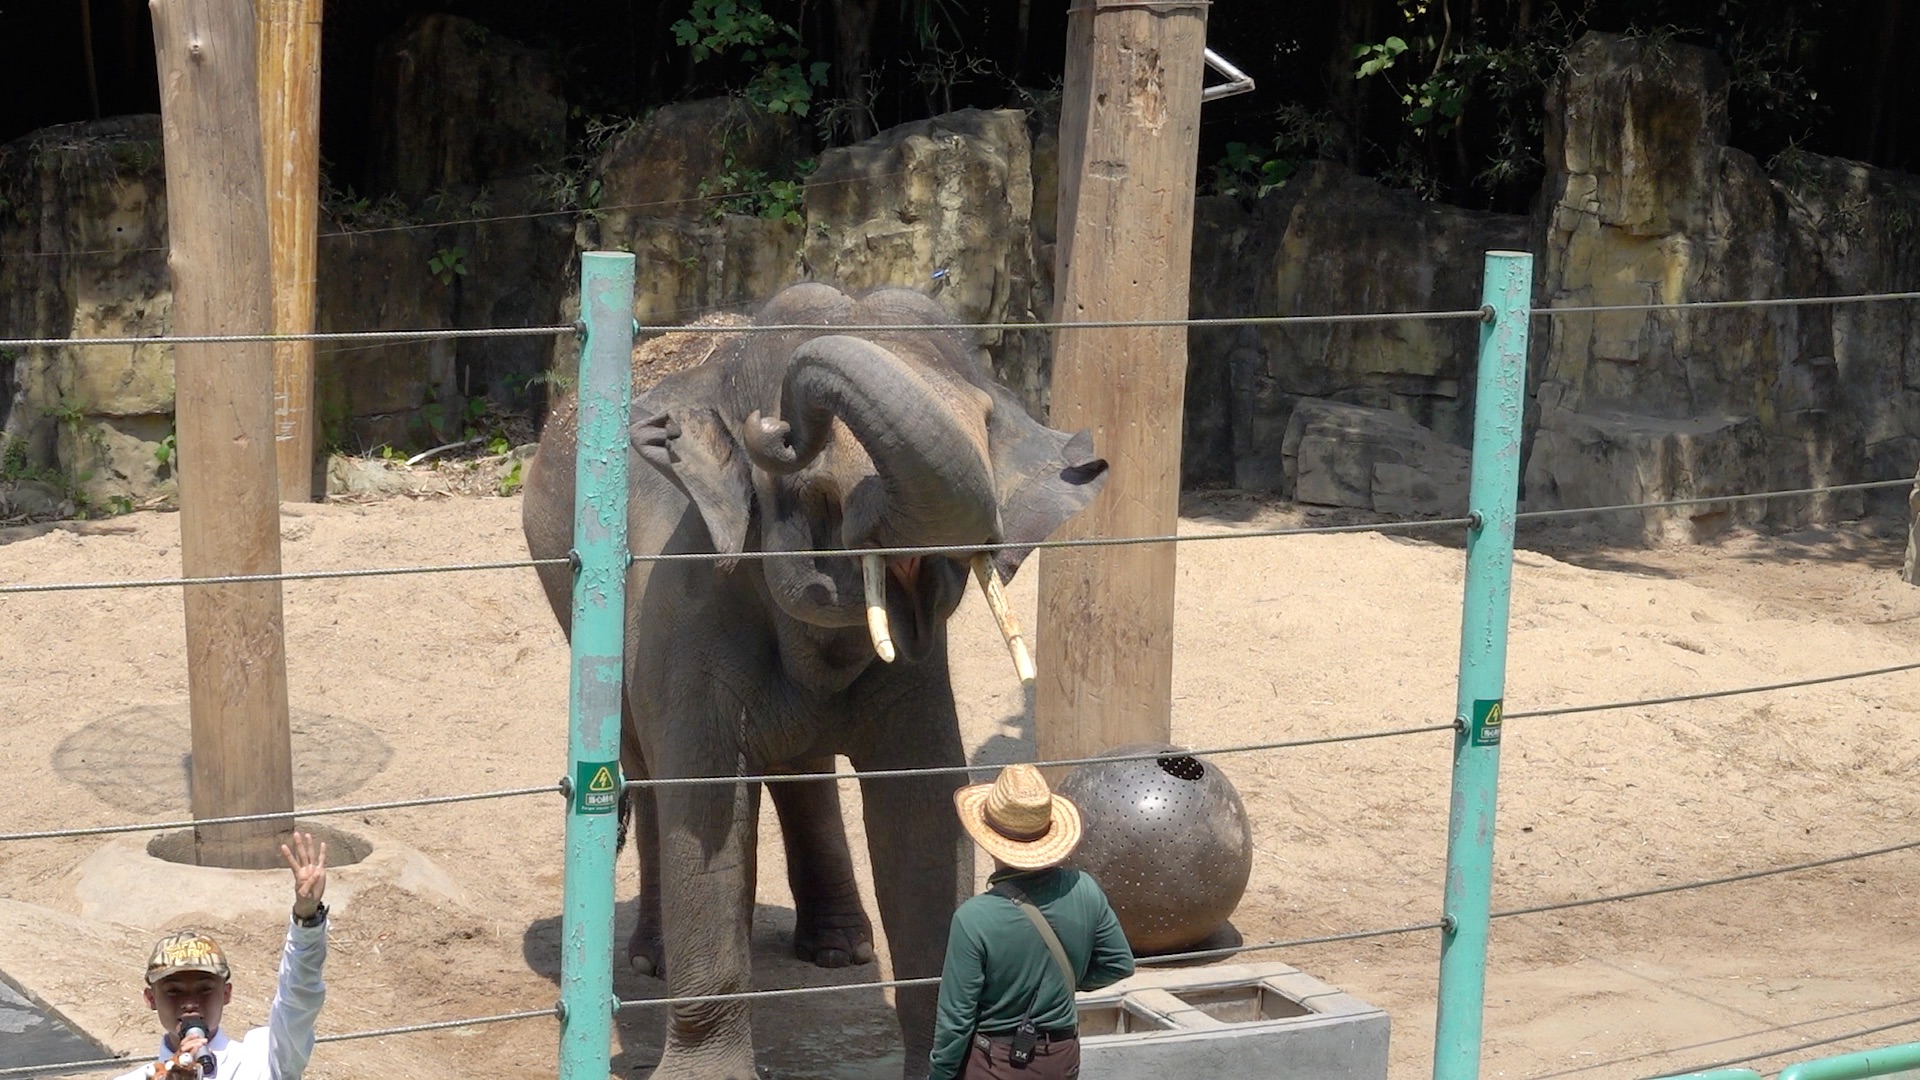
1059	1035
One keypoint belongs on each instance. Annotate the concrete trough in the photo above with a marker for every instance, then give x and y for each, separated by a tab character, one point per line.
1247	1021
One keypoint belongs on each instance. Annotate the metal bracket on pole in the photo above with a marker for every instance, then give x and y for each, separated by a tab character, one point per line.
1238	82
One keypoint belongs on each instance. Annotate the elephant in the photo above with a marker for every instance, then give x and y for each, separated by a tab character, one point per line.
808	440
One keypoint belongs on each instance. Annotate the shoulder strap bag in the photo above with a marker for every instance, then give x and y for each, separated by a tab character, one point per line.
1026	1036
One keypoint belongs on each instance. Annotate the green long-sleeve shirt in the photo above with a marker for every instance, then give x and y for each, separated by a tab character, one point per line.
998	966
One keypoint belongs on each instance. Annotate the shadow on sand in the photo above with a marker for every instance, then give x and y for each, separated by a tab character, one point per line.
836	1035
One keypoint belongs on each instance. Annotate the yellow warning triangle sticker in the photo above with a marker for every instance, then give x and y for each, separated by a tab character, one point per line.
602	780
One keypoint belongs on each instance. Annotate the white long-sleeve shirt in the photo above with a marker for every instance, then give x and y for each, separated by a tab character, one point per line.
281	1049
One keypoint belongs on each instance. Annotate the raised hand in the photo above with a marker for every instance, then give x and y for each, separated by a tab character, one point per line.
308	861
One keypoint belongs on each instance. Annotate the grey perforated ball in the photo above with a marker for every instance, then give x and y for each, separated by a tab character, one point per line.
1167	839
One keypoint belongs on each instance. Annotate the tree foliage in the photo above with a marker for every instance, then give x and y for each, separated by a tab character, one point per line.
1443	97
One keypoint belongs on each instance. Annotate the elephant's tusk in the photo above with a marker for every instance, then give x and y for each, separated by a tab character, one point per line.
1003	616
873	570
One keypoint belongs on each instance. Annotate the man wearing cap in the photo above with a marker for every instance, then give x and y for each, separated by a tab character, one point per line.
1002	974
188	987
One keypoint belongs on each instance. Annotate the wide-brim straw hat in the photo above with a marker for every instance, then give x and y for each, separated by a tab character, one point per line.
1018	820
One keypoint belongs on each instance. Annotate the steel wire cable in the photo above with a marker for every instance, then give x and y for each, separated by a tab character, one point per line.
330	811
390	336
1765	302
371	1033
1202	954
1808	1045
437	1025
439	800
1704	695
1476	314
1771	1029
1703	883
1700	500
324	335
947	770
290	575
62	1067
940	770
1395	526
485	219
1295	943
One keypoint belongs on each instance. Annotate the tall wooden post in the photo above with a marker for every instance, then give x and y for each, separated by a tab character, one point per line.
229	508
1129	141
288	47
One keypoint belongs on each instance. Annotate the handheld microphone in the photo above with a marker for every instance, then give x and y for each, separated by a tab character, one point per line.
194	1025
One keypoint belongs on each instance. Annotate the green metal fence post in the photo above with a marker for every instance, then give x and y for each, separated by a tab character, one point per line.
1492	498
1882	1061
599	611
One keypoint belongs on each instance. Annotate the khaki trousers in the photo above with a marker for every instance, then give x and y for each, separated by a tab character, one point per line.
987	1060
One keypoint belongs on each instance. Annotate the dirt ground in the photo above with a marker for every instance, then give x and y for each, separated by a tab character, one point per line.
407	686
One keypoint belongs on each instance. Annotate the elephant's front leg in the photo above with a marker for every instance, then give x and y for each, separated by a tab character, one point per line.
830	927
707	882
922	861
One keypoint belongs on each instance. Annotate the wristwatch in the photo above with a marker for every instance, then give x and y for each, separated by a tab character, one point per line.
319	916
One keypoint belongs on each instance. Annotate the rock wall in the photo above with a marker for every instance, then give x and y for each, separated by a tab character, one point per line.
1646	204
83	237
659	199
83	241
1643	203
1328	243
944	204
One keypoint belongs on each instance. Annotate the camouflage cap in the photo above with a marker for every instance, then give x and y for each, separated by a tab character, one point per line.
186	950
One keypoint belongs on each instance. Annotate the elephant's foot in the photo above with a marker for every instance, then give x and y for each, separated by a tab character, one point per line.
833	936
647	950
703	1064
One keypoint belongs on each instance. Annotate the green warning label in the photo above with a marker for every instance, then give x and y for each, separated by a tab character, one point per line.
596	788
1486	723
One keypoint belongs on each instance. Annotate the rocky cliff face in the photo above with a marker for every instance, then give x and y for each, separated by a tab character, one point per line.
1328	243
83	234
1643	204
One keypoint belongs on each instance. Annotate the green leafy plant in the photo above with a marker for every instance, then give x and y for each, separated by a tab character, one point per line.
13	458
1435	101
556	382
1247	172
68	412
783	80
514	477
756	192
448	263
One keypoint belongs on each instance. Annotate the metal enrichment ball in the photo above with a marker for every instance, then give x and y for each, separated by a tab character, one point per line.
1168	841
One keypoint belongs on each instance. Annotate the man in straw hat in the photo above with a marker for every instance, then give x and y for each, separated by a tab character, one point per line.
1006	998
189	985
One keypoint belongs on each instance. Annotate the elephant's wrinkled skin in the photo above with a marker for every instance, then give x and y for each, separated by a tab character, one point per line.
787	441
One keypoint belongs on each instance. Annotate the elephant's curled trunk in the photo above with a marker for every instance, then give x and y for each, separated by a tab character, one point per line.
927	443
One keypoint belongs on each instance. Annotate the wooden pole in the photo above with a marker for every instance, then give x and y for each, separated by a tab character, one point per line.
1129	143
223	413
289	57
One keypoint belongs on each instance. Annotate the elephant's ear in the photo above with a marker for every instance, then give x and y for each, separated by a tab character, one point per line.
1043	476
693	447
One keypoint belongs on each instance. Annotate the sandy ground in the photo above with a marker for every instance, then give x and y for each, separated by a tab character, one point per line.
407	686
